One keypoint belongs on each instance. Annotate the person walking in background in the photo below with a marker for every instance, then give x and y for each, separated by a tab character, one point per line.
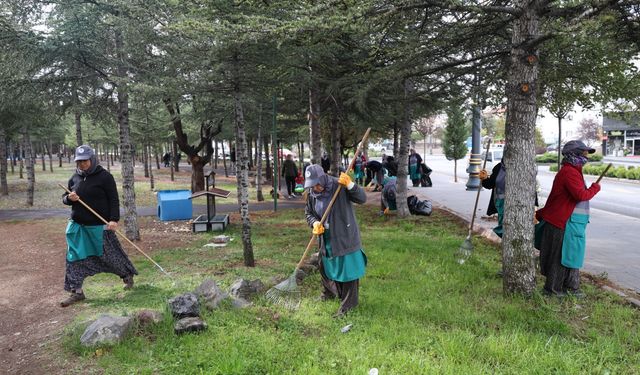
496	182
414	167
325	161
289	172
358	168
166	159
232	158
342	259
92	247
563	223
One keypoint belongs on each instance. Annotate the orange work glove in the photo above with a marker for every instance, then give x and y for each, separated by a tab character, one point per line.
386	211
318	228
345	181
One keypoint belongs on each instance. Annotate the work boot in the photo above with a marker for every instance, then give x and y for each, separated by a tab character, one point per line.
73	298
128	282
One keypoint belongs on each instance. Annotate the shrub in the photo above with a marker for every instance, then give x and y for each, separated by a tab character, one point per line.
553	168
595	157
549	157
619	172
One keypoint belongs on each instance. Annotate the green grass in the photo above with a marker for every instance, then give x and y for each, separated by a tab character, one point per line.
420	312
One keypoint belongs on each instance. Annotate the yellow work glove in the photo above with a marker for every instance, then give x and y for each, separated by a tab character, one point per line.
483	175
346	181
318	228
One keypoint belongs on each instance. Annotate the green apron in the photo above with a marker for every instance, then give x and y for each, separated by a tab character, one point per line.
574	241
343	268
83	241
499	203
414	173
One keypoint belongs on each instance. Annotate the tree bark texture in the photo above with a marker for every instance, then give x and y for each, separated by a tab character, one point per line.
403	153
4	186
336	152
260	196
517	243
78	117
132	230
29	166
242	178
315	140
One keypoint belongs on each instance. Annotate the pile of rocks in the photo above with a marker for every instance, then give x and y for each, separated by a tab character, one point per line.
185	308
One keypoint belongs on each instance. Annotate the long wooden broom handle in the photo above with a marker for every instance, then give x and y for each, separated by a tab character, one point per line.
333	199
117	231
475	206
603	173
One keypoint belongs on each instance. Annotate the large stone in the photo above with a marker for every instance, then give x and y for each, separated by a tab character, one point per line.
246	289
106	330
239	303
191	324
184	305
211	294
148	317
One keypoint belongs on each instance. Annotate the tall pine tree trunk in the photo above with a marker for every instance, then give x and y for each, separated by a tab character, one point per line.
517	243
77	116
131	227
396	135
403	153
145	160
29	166
315	141
50	154
267	171
224	160
336	152
260	196
151	179
4	186
242	178
21	156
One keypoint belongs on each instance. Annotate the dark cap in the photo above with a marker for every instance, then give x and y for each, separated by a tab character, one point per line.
576	145
312	175
83	152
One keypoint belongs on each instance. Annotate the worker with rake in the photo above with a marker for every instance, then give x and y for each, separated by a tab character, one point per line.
342	260
92	246
563	222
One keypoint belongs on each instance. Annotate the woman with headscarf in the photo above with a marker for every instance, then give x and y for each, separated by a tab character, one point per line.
342	261
358	168
92	247
563	222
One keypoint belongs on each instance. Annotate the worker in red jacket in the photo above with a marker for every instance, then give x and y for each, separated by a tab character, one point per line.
560	235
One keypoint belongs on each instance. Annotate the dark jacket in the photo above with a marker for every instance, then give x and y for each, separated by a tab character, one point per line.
98	191
418	157
289	168
343	227
391	165
326	164
490	183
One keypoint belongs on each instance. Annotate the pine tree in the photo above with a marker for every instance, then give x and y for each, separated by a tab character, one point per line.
455	135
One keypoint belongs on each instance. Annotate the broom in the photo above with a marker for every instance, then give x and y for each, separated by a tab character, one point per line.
287	293
466	248
117	231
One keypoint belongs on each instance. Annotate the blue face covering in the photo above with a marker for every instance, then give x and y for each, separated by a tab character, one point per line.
575	158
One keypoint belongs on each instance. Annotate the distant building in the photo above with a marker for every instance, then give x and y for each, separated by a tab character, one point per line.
621	135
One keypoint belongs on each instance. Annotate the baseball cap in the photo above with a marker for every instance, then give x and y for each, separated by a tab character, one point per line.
576	145
83	152
312	175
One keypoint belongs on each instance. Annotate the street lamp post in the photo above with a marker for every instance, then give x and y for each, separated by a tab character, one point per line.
475	158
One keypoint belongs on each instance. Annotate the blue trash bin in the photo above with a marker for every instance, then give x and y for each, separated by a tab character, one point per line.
174	205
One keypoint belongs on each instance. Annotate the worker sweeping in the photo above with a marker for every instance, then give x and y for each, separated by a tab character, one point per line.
92	247
343	260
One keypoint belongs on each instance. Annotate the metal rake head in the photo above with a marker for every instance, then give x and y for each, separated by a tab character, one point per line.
285	294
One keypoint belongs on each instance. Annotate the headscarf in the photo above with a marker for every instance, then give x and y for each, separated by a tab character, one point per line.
92	168
324	197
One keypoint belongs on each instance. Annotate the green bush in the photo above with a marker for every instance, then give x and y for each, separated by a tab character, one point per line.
549	157
595	157
633	173
553	168
620	172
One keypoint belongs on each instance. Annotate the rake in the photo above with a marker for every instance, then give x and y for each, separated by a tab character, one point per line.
117	231
287	292
465	250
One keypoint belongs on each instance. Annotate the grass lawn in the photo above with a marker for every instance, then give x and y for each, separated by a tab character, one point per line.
420	312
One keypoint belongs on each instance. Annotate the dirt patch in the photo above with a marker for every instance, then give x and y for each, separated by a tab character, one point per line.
31	285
